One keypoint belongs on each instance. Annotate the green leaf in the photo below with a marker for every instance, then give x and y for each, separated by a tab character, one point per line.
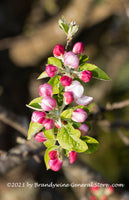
68	138
33	129
49	133
82	59
46	156
96	71
35	104
65	27
50	143
43	75
92	143
54	61
56	84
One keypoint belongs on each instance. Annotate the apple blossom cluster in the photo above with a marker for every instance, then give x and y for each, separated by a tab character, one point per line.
101	193
61	110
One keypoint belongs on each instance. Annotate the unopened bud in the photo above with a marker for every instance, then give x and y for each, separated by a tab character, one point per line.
78	48
58	50
51	70
71	59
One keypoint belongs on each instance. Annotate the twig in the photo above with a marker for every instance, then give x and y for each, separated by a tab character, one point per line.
12	120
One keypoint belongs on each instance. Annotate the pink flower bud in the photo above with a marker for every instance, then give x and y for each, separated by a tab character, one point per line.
48	123
104	197
66	80
51	70
84	129
72	157
53	155
109	190
48	103
93	198
76	88
58	50
94	189
55	164
45	90
68	97
71	59
78	48
79	115
84	100
85	76
40	137
38	116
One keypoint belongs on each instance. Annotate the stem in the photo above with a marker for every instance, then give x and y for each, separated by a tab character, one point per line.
69	39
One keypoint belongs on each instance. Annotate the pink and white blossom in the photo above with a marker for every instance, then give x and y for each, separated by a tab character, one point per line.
40	137
45	90
48	103
84	129
78	48
55	164
76	88
71	59
48	123
85	76
68	97
84	100
38	116
79	115
51	70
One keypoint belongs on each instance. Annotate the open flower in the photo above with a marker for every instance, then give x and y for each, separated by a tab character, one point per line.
76	88
84	100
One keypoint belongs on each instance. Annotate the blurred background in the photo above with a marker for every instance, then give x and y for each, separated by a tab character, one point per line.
28	33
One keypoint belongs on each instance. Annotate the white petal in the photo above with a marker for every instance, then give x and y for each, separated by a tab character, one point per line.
84	100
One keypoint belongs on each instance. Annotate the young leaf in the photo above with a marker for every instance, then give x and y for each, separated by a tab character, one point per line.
49	133
55	82
92	143
49	143
46	156
68	138
82	59
33	129
43	75
54	61
96	71
35	104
